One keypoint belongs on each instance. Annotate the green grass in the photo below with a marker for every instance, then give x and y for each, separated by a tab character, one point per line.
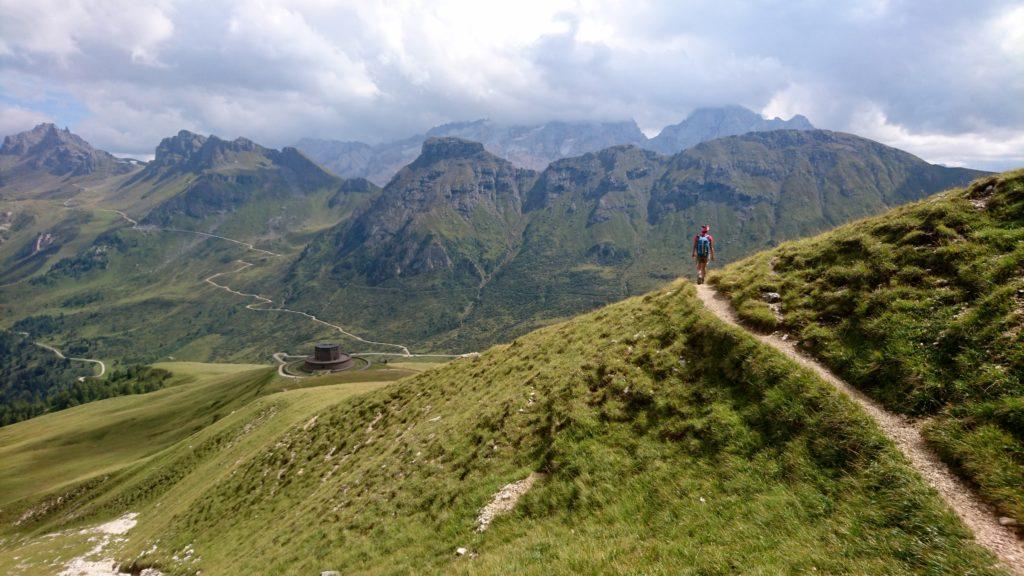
55	450
671	444
923	308
148	302
89	292
758	314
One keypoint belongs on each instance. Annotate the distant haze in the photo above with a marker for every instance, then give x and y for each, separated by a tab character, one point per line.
535	146
943	80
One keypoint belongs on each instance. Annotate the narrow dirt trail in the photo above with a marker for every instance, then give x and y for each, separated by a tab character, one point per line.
973	512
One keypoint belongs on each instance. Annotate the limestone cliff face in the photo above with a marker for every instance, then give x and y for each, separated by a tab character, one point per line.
455	207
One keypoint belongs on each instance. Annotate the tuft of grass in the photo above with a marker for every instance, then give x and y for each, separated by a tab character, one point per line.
923	308
758	315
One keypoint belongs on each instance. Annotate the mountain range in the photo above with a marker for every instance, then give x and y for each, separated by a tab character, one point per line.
229	185
536	146
461	249
462	245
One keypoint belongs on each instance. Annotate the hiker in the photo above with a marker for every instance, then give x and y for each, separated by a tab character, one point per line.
703	251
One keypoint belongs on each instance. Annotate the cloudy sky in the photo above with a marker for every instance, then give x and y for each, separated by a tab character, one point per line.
944	80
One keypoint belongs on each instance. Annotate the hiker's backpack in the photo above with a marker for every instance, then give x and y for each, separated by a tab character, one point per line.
703	246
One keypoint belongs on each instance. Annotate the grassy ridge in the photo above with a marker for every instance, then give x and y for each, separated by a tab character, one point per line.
923	308
670	443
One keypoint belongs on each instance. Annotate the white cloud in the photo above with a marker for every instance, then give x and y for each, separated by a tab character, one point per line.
276	70
996	151
62	28
1008	28
14	119
278	36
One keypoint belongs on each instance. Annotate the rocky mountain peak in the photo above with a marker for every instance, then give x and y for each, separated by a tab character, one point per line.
42	137
705	124
195	152
222	175
719	113
797	122
58	151
449	147
179	148
460	127
239	144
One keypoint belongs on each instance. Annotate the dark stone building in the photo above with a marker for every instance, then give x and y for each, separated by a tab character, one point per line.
328	356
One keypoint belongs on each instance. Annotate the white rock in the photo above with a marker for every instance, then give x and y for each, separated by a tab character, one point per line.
505	500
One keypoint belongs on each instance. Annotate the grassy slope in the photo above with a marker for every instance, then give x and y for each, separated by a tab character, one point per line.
74	231
148	301
670	443
58	450
157	276
923	308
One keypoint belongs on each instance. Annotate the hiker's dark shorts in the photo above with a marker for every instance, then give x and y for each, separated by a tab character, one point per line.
702	259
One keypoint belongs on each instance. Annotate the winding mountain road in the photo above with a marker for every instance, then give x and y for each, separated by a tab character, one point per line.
977	515
262	301
262	304
59	354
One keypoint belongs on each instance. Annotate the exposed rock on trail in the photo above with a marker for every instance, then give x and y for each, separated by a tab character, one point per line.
505	500
105	535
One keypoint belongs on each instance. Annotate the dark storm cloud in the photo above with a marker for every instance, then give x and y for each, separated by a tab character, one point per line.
941	79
